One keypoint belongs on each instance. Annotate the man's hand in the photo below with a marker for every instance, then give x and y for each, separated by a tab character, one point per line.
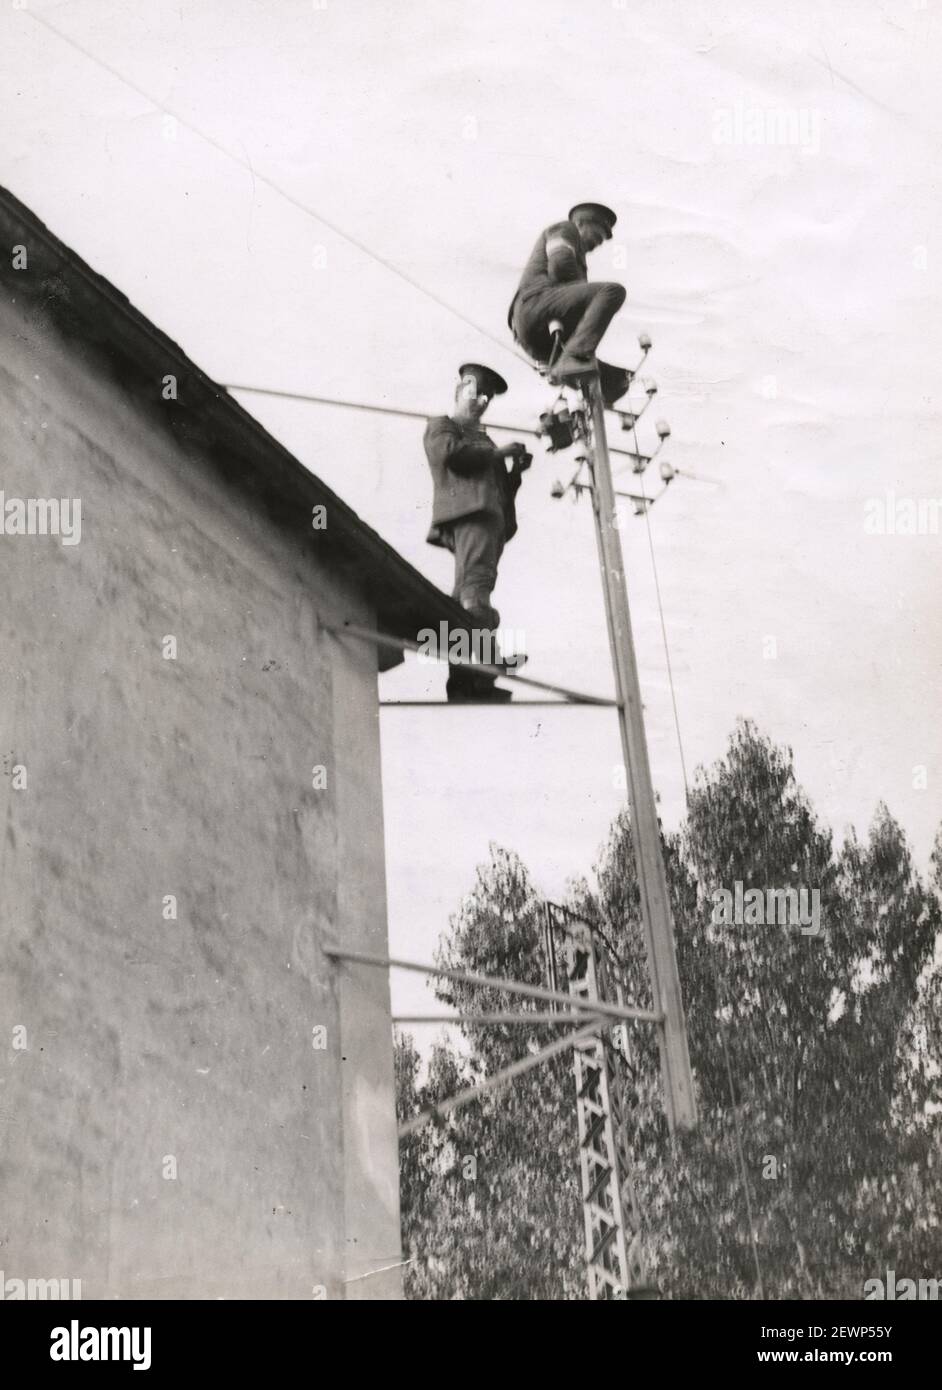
517	452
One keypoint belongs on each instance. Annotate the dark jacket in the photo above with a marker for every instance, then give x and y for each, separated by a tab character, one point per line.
468	476
556	259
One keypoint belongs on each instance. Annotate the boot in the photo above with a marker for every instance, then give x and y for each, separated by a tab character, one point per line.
462	689
515	662
571	368
466	685
614	382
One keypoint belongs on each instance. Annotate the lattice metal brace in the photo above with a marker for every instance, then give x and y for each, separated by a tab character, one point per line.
614	1259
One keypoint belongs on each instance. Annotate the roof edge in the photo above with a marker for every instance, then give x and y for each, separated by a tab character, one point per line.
71	294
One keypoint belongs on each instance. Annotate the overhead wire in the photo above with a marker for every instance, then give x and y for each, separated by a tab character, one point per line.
380	409
282	192
720	985
318	217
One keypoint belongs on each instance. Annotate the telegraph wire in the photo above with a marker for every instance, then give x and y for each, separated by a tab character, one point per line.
381	409
318	217
721	987
277	188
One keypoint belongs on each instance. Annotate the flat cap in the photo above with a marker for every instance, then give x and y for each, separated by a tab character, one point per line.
599	212
490	383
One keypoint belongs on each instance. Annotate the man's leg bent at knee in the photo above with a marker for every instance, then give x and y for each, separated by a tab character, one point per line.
584	309
599	312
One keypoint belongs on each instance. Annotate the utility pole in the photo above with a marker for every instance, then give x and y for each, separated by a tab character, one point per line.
656	916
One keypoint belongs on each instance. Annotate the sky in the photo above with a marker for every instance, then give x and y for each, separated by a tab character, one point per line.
248	173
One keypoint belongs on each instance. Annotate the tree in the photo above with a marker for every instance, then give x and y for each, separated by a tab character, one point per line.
817	1059
491	1200
795	1038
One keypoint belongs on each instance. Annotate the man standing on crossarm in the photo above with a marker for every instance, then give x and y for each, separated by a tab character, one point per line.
473	510
555	286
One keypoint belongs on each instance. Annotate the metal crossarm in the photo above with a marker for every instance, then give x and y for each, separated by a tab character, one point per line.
405	644
587	1013
498	1078
471	977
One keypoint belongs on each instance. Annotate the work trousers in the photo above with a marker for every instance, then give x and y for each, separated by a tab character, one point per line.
478	543
585	311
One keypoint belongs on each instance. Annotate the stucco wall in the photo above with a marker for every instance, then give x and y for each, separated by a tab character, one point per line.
151	1039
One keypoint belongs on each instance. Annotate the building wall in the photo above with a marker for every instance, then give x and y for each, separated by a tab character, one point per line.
155	1044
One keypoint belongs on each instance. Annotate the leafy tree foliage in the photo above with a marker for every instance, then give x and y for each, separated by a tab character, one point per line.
493	1209
817	1057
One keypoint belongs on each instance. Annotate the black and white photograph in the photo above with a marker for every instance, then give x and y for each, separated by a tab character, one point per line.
470	550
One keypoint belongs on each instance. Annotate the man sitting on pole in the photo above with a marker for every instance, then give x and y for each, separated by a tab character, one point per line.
555	289
474	514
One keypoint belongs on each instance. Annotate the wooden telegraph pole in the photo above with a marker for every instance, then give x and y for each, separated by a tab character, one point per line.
656	916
